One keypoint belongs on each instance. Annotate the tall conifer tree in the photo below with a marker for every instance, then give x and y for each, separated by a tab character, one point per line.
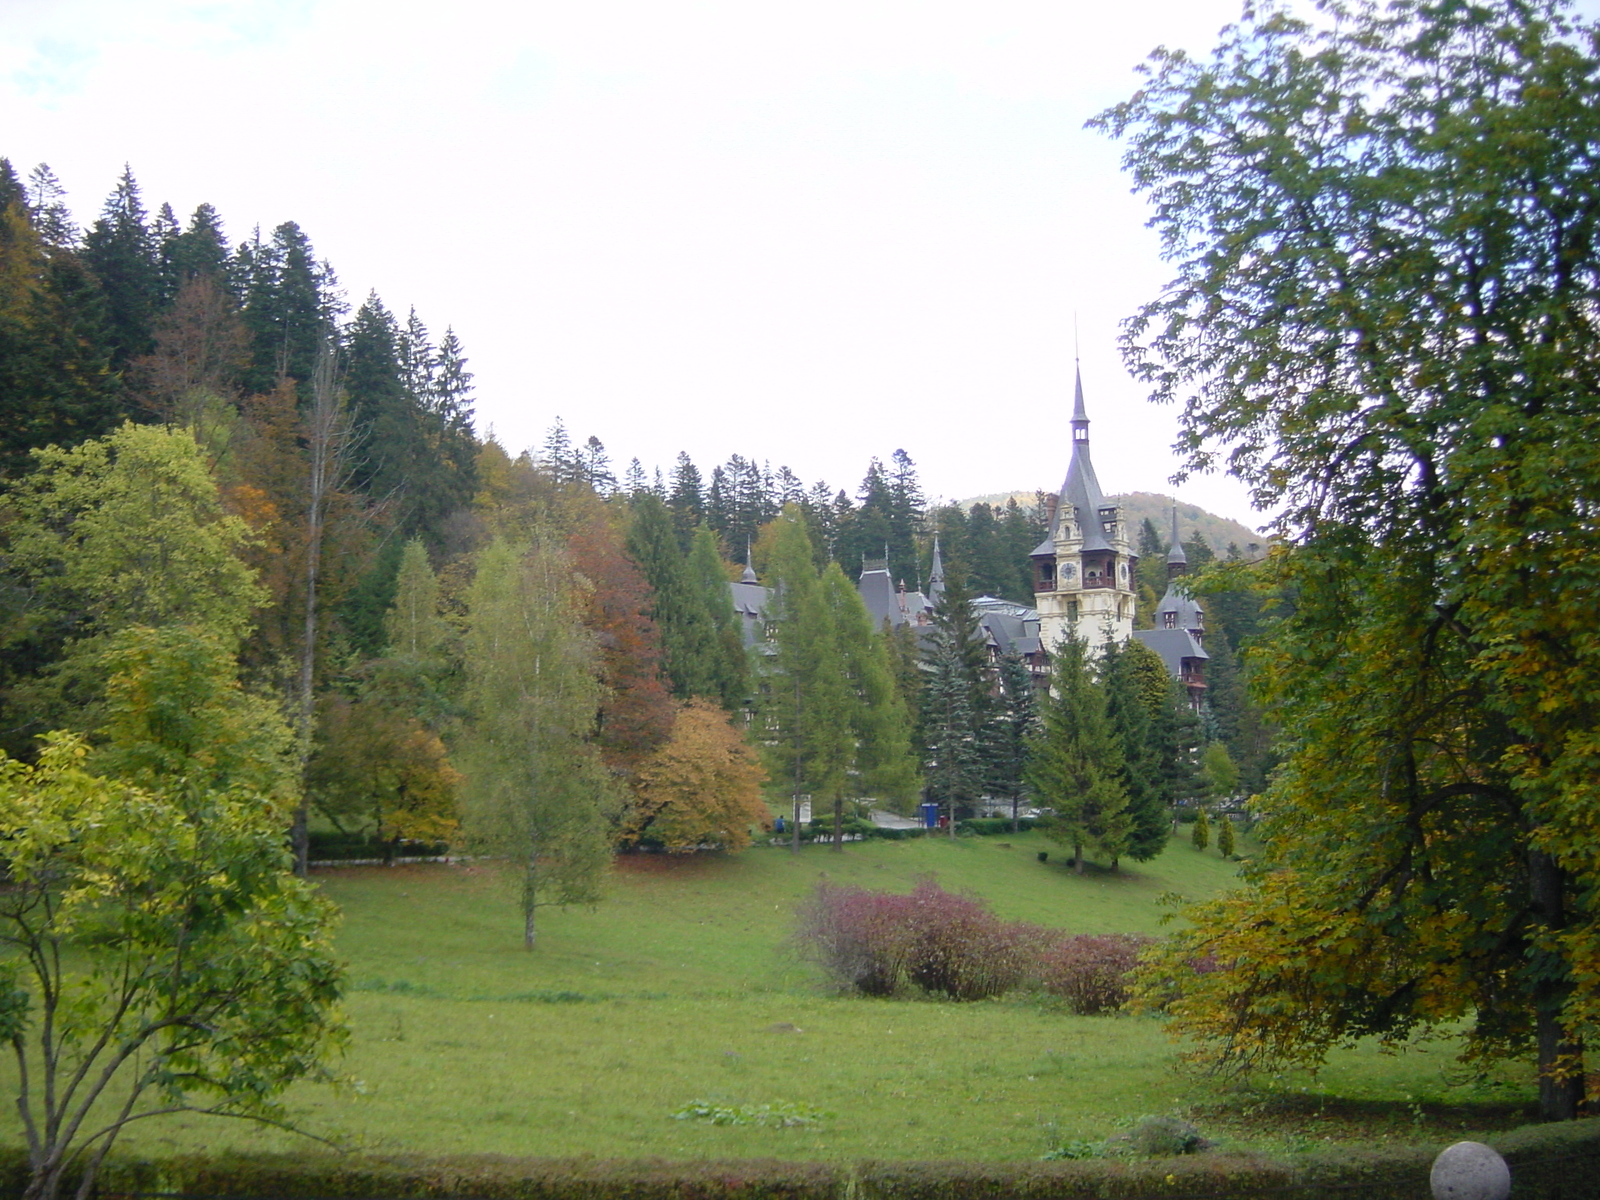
691	648
120	249
1077	760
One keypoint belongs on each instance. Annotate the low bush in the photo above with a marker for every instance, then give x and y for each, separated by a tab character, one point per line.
897	835
1091	972
990	826
329	846
859	938
1548	1162
822	829
876	943
961	950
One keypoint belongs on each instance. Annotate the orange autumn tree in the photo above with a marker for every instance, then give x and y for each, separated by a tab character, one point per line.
702	787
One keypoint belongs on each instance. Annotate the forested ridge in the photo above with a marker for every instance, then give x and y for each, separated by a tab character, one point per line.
209	444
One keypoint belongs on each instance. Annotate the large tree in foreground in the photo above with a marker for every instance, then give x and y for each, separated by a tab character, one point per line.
1383	318
161	958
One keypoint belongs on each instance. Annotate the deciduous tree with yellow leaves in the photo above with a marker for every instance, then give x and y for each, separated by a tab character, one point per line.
1385	220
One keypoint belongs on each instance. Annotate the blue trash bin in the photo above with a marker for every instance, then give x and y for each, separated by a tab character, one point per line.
930	816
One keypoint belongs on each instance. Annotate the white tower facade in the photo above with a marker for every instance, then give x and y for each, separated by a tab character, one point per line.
1083	578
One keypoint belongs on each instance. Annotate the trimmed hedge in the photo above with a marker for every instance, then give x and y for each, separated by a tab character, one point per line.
993	826
1548	1162
329	846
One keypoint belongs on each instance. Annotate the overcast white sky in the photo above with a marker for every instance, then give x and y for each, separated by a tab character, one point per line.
810	232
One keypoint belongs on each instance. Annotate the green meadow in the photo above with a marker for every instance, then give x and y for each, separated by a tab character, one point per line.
681	986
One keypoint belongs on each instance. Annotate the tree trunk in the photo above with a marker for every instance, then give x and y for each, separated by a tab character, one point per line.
794	842
838	824
1016	825
529	900
327	442
1560	1055
1077	858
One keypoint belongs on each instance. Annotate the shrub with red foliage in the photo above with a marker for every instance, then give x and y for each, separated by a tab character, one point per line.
876	943
1092	972
859	938
962	950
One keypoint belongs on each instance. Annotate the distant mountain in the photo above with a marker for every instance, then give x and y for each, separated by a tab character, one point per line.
1220	532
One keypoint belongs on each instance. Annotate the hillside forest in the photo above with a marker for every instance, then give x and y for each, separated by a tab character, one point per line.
249	525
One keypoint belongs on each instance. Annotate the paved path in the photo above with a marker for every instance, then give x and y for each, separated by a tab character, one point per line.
888	820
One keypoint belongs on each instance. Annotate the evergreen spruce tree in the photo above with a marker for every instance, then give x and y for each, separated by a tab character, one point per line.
200	251
1076	763
11	189
120	249
381	406
729	673
691	648
1124	670
1151	573
787	489
871	532
47	208
287	308
685	499
594	467
954	704
449	389
1023	529
1008	733
57	386
1225	842
418	360
906	508
1183	738
635	479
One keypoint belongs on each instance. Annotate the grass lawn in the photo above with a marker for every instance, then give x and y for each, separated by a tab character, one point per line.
679	987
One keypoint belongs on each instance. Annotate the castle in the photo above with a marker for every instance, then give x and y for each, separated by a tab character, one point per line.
1084	585
1084	577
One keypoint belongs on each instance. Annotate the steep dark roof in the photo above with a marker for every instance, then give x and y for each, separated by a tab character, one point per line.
878	594
750	606
1173	645
1081	489
1177	600
1008	627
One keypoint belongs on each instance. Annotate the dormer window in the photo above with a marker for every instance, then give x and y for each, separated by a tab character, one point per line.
1169	619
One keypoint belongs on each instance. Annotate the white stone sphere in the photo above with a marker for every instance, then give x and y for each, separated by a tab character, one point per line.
1470	1171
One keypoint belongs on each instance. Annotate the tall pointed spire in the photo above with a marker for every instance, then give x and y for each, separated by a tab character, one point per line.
1080	414
749	562
1177	560
936	573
